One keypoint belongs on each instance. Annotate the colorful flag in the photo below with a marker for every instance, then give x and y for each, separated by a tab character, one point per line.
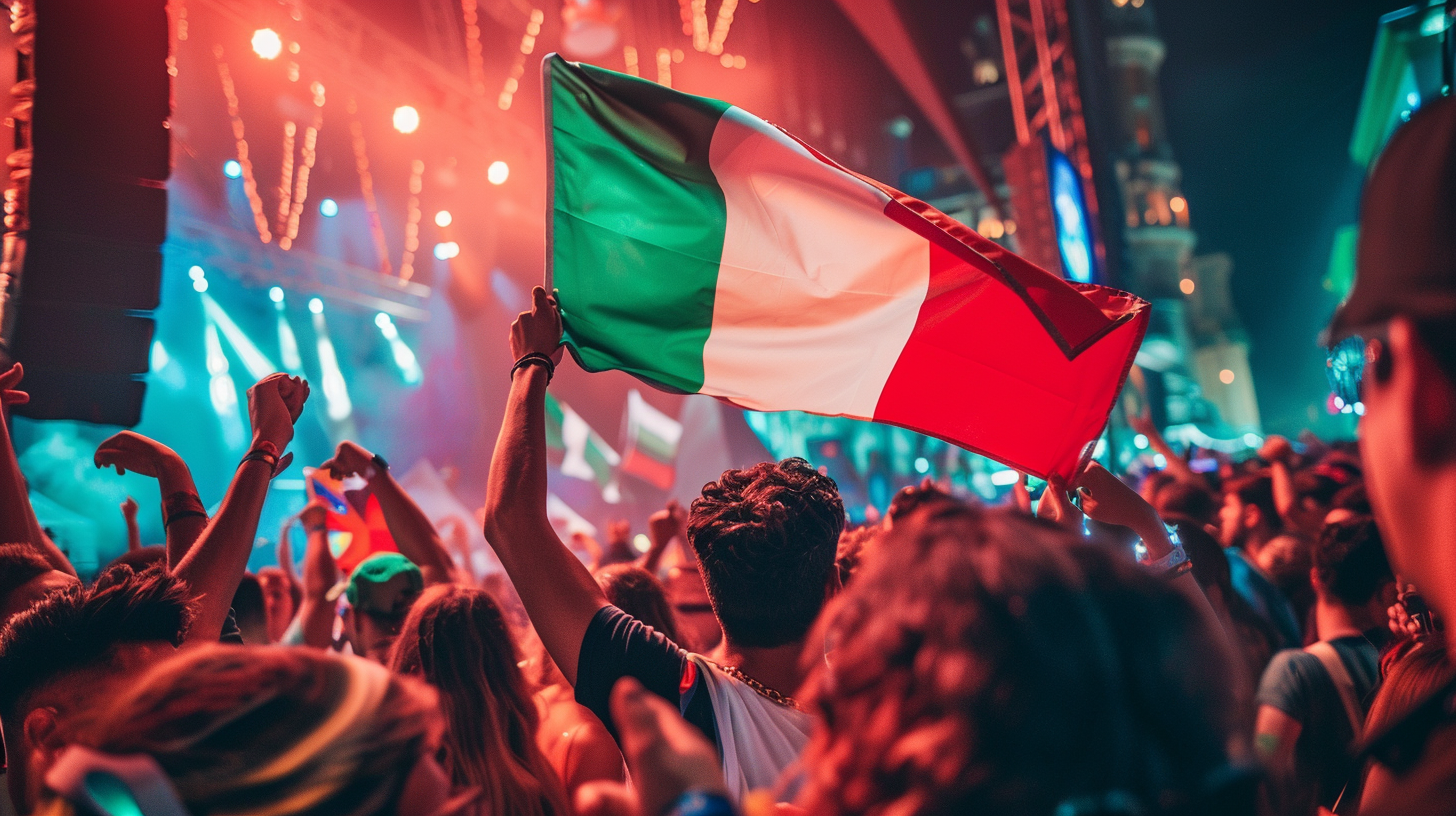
354	519
652	441
584	453
704	250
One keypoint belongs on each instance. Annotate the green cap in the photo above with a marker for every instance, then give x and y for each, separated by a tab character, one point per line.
384	584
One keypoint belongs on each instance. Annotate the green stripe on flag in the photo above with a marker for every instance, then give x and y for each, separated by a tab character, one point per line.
637	222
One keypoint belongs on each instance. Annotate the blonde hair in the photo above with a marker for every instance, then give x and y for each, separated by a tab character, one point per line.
271	731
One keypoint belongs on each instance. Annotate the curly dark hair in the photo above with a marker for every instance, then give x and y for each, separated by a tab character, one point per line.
1350	560
766	538
990	663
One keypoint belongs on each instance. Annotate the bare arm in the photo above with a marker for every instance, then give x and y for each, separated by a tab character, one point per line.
285	552
411	528
17	517
1176	466
557	590
320	573
1275	734
666	524
182	511
133	532
214	566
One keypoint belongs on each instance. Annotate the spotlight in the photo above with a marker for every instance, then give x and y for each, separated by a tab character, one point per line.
328	208
199	285
196	273
443	218
498	172
315	305
232	169
406	119
1005	478
1140	442
446	250
276	294
1252	440
922	465
267	44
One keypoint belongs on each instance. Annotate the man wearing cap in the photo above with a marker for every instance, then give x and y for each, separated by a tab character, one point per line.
1403	306
380	591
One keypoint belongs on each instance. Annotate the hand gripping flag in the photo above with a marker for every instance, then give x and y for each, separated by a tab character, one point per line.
705	251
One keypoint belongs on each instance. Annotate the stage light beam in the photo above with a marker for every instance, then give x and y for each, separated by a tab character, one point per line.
337	404
404	358
267	44
253	359
221	390
406	119
287	341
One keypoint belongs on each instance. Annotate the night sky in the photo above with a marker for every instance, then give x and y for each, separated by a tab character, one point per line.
1260	100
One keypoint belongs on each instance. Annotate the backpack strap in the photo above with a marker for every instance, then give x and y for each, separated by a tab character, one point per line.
1329	657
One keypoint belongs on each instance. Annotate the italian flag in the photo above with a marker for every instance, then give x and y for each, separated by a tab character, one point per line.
584	453
705	251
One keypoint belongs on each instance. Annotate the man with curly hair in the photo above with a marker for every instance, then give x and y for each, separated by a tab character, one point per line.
765	539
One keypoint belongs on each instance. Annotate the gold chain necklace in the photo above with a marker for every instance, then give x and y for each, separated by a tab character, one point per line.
773	695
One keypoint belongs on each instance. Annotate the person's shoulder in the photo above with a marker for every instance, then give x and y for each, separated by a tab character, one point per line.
1288	671
1420	752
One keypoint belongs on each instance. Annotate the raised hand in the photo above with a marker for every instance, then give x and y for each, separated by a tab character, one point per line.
1055	506
667	756
670	521
350	459
1106	499
539	330
138	454
9	393
1276	449
274	405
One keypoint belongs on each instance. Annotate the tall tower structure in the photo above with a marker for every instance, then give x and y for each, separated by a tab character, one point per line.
1195	348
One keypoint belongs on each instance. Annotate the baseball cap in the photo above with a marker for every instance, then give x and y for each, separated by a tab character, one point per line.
384	584
1406	259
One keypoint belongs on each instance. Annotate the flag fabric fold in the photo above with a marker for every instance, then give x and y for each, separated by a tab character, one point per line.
704	250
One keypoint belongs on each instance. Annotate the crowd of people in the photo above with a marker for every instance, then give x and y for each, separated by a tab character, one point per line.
1265	638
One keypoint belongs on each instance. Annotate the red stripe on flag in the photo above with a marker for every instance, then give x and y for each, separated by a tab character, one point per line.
648	469
982	371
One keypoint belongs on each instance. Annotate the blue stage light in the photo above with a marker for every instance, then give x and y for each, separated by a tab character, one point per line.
232	169
328	208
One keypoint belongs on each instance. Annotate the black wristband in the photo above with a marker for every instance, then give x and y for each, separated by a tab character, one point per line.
535	358
379	463
182	514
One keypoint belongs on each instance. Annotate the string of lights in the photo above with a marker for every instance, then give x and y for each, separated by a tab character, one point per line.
250	185
474	56
309	154
629	56
721	26
518	68
700	25
412	220
366	188
285	183
664	67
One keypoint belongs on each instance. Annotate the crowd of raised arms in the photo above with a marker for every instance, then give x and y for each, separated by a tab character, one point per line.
1264	638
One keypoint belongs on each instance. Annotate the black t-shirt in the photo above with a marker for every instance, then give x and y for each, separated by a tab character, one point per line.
617	645
1420	752
1297	684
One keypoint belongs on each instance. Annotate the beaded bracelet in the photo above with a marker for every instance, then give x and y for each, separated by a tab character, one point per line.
535	358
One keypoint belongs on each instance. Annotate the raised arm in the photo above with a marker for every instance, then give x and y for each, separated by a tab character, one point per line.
557	590
1176	466
133	531
284	552
667	524
320	573
183	514
215	564
411	528
17	518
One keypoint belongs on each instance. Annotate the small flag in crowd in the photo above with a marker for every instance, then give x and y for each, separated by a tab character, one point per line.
705	251
584	453
354	519
652	440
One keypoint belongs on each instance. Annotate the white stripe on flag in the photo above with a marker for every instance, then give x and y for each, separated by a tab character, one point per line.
642	417
575	436
818	290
